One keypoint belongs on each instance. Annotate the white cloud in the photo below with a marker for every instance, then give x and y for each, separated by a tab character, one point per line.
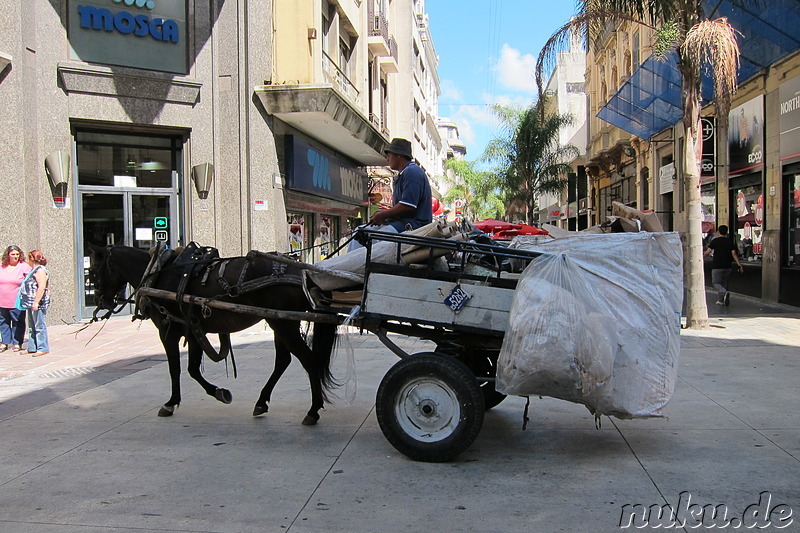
450	93
515	70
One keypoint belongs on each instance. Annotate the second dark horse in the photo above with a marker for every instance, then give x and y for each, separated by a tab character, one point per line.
112	268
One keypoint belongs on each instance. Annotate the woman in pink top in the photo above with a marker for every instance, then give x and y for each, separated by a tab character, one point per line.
12	321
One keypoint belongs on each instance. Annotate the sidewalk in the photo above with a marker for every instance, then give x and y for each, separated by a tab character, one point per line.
84	451
115	343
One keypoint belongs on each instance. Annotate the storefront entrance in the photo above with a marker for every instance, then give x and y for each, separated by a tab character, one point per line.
127	195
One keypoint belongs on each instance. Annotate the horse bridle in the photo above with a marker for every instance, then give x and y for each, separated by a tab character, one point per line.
122	302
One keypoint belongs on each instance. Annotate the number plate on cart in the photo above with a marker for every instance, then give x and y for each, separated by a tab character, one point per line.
457	299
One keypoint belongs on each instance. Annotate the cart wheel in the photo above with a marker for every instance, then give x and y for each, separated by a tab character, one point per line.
430	407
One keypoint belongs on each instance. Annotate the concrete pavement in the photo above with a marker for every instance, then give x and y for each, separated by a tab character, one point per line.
83	450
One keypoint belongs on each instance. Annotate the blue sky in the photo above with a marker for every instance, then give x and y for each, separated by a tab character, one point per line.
487	53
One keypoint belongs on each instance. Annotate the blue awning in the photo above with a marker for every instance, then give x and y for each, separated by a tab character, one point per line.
650	101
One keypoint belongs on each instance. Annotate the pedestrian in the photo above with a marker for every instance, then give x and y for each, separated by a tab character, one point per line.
411	196
35	297
13	270
724	255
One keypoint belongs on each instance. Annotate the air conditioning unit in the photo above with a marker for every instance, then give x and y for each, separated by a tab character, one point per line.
583	204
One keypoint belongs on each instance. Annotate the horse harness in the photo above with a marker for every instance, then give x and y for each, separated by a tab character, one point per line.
196	261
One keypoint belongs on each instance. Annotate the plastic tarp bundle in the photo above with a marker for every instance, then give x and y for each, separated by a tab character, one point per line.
596	321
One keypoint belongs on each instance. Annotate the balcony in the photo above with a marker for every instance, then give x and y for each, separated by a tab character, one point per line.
336	77
378	36
323	113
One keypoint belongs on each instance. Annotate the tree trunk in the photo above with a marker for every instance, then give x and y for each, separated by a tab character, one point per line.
696	309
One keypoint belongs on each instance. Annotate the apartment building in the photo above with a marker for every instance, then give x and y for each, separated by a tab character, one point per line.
566	95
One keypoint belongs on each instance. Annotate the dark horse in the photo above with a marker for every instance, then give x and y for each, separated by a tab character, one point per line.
112	268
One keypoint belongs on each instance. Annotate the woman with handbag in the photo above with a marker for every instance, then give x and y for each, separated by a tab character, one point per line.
13	270
35	297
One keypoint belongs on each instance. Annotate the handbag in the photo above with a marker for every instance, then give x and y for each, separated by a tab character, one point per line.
27	292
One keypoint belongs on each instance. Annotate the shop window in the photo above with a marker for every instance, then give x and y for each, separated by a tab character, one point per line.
793	211
708	207
112	160
298	244
749	216
326	238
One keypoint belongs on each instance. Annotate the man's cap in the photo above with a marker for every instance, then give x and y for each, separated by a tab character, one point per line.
399	146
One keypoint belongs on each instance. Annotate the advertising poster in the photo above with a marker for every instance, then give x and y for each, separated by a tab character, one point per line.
746	136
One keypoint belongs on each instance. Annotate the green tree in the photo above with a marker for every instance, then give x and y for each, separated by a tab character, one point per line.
528	158
478	188
681	25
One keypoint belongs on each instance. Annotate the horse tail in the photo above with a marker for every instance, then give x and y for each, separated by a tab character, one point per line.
322	345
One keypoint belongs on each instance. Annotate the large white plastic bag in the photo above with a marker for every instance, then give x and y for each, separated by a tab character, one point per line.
561	340
639	277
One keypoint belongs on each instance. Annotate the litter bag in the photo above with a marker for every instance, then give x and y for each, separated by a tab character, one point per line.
596	321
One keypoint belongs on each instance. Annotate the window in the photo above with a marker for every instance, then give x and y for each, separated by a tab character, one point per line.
328	12
635	51
793	211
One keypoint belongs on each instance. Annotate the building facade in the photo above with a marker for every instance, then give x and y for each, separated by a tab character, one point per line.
232	124
749	168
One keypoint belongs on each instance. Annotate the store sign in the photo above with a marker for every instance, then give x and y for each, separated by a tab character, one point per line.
746	136
666	174
708	158
789	94
317	172
149	34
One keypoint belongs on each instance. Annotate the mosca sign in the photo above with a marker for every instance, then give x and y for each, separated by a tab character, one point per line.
148	34
127	23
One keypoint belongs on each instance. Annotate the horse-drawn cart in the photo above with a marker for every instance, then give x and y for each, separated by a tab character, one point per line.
605	327
430	405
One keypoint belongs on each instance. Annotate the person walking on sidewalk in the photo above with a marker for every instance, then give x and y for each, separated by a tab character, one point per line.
35	297
724	255
13	270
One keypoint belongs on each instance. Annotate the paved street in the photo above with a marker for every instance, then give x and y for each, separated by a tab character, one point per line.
85	452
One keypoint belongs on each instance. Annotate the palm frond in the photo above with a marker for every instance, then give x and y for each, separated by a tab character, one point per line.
713	43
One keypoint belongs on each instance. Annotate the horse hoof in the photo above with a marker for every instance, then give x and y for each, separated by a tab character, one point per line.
310	420
166	410
259	410
223	395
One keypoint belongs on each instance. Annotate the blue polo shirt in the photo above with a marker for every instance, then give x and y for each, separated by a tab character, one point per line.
411	187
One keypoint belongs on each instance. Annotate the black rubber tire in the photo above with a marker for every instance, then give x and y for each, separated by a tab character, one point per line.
445	414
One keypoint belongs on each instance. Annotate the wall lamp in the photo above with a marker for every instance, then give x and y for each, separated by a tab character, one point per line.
57	167
203	175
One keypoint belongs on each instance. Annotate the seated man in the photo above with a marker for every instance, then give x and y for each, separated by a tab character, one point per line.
411	197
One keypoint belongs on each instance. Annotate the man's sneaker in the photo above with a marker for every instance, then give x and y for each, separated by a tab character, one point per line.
727	299
720	303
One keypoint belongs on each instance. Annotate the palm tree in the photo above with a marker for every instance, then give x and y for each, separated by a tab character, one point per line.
698	41
528	157
478	188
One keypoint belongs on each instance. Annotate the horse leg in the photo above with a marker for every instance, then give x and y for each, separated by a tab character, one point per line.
289	333
195	358
282	360
171	347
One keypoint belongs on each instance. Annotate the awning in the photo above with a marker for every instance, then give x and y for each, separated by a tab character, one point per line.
650	101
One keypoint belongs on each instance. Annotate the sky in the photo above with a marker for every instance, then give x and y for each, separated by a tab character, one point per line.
487	54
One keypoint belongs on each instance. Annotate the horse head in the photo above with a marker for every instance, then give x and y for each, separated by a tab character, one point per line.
108	282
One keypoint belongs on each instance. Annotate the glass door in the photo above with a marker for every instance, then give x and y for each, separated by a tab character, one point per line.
126	218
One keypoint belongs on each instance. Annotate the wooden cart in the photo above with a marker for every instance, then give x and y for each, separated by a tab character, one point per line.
430	406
